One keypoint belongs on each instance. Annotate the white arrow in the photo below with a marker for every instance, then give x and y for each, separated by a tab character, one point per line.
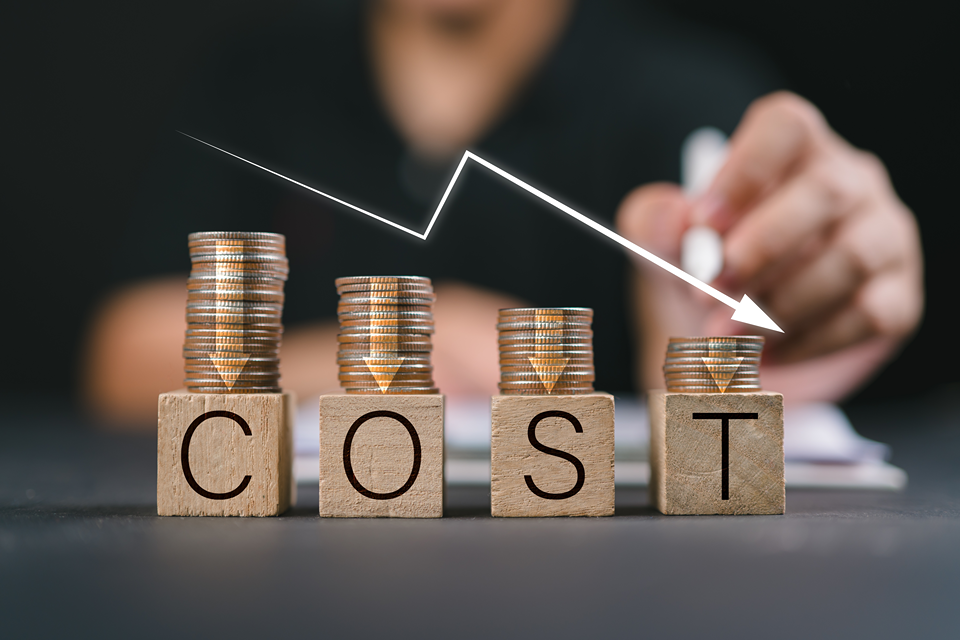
745	311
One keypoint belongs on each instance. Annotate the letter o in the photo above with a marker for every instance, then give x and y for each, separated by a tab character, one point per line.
348	445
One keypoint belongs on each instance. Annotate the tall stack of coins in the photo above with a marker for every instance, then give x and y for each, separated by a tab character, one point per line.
386	324
728	364
234	304
546	351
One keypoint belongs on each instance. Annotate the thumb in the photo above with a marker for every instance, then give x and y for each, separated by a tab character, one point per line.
655	217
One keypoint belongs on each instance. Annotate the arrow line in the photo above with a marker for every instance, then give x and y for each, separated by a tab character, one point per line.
745	310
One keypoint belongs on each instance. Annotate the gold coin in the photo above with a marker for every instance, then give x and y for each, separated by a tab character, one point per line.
572	327
253	282
363	368
238	390
377	307
543	392
559	311
386	288
393	391
735	339
546	351
507	361
358	382
356	280
712	388
200	236
531	384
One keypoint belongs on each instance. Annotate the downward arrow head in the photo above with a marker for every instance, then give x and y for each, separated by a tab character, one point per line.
229	374
722	374
384	370
749	313
549	370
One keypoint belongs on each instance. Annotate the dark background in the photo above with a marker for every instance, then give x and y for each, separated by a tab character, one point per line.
88	88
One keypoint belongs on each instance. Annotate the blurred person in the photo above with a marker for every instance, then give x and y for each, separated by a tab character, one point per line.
375	102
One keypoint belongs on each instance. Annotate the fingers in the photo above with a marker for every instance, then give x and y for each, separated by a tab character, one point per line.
867	244
806	205
777	134
888	306
655	216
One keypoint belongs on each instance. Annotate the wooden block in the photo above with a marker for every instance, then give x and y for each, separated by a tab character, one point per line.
225	454
381	456
716	453
552	456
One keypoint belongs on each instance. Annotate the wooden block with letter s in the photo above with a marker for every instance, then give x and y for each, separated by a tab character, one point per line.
552	455
225	454
716	453
381	455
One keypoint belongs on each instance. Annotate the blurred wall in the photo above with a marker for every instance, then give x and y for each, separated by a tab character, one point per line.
88	87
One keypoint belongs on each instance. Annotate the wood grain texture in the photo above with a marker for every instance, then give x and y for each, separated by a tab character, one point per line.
686	465
388	480
221	455
514	457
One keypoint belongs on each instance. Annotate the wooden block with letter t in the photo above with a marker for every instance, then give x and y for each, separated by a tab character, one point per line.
381	455
716	453
552	455
224	454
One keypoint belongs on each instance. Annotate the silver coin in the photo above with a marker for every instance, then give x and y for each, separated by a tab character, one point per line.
543	392
384	368
573	327
237	390
199	236
562	350
357	280
424	317
392	390
366	330
252	281
710	348
526	311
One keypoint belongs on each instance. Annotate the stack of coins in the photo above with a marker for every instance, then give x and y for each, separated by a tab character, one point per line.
386	324
234	304
728	364
546	351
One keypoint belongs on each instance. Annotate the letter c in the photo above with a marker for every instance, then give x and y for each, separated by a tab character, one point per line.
185	455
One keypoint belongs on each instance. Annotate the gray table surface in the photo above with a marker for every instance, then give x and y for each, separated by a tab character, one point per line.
82	553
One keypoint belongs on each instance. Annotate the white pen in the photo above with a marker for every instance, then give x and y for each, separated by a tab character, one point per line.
703	153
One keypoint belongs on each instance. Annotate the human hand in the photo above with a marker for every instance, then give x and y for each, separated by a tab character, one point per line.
813	232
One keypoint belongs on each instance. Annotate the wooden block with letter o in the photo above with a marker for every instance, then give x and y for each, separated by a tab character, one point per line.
224	454
381	455
552	455
716	453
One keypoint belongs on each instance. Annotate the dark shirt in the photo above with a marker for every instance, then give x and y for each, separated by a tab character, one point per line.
607	111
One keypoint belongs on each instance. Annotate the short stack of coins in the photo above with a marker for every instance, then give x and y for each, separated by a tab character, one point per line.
546	351
234	308
726	364
386	329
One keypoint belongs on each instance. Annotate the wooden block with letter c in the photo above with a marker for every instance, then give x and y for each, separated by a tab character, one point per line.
552	455
224	454
716	453
381	456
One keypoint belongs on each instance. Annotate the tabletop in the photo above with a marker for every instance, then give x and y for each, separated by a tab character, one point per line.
82	552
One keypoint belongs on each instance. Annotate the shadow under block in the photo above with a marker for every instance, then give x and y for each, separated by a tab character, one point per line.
700	467
225	454
552	456
381	456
